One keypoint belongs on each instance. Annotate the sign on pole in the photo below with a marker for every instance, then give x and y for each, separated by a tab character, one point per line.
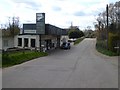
40	23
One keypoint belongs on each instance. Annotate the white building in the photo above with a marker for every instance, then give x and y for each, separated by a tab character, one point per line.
39	36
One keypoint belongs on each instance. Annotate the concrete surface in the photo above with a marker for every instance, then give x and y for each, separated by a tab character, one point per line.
80	67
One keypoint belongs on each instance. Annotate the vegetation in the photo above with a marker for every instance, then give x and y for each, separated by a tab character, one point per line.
12	29
108	29
112	41
75	34
0	60
10	59
89	34
101	47
78	41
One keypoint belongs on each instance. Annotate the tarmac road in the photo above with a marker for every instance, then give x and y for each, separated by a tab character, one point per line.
80	67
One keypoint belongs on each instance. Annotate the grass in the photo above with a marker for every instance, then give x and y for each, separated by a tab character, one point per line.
106	52
0	60
11	59
100	47
78	41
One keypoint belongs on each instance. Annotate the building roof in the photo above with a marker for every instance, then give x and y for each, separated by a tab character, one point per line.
49	29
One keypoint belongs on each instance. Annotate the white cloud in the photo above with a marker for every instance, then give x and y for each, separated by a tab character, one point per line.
58	12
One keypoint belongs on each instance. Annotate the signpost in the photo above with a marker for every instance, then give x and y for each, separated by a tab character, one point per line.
40	25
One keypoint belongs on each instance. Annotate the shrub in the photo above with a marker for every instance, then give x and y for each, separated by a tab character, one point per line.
112	41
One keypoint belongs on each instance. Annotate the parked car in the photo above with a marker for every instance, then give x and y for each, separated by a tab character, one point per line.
65	45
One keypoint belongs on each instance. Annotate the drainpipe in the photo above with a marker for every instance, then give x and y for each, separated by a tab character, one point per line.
40	42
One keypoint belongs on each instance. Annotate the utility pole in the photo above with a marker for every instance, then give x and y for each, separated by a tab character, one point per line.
107	25
118	17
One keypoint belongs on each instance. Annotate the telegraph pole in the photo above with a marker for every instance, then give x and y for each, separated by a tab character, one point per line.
107	25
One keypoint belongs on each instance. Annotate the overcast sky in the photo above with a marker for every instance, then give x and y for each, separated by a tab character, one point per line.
60	13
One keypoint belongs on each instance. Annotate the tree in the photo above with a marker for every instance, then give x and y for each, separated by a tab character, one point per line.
108	25
75	34
12	28
113	16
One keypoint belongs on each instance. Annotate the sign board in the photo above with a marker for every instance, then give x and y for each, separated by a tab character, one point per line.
29	28
40	23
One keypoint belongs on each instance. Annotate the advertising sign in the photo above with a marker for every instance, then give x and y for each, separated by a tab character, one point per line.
40	23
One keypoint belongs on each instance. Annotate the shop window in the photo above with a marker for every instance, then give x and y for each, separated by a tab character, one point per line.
25	42
19	41
32	42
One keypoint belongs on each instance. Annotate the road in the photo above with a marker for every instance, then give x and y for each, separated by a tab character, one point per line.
80	67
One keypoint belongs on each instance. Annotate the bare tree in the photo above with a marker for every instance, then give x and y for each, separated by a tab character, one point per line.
12	27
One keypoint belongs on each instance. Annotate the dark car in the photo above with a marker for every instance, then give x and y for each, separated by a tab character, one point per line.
65	45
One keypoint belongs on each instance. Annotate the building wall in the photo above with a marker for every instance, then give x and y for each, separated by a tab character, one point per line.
7	42
29	37
0	43
16	41
0	39
46	40
10	42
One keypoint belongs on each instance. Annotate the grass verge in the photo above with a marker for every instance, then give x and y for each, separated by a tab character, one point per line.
0	60
78	41
105	51
20	57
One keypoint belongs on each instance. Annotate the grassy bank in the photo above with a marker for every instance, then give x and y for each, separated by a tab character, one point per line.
78	41
0	60
101	47
10	59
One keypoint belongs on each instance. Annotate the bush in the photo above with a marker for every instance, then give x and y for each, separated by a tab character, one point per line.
112	41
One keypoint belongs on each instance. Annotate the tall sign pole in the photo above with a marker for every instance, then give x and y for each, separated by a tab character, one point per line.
40	26
107	25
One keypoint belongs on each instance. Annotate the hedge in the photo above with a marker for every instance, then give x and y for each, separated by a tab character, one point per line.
112	41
